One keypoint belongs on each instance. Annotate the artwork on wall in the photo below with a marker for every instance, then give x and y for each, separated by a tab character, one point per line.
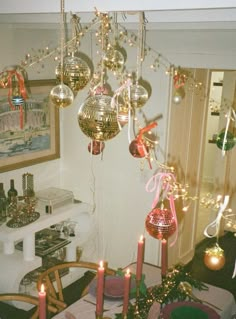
29	132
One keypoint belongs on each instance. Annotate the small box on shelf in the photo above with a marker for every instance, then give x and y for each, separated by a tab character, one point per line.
51	198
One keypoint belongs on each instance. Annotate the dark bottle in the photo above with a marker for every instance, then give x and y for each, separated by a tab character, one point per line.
12	192
3	205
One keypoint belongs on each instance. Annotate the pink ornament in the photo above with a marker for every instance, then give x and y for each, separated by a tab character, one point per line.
96	147
160	223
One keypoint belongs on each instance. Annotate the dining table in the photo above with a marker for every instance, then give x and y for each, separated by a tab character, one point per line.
85	307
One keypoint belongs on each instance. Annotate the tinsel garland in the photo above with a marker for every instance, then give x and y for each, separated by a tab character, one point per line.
164	293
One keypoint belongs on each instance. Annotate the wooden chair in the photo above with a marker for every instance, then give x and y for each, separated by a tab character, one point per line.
51	278
25	299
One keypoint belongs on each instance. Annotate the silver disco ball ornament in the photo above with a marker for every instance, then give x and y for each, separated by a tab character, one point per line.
76	73
114	60
61	96
97	119
138	96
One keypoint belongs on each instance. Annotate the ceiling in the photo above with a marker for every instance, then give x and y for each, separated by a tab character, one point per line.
162	14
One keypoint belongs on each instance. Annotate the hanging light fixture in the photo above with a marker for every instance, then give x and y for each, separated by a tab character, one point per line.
61	95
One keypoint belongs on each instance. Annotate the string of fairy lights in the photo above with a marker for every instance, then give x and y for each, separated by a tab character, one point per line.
111	36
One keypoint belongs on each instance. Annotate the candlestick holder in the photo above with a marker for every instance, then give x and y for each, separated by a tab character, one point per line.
100	316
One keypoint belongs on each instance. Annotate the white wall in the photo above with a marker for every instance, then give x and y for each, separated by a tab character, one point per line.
118	183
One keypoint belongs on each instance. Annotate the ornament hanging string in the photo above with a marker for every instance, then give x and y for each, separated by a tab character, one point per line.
234	273
162	186
216	222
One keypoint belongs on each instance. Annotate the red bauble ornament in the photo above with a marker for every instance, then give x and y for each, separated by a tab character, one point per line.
138	148
160	223
96	147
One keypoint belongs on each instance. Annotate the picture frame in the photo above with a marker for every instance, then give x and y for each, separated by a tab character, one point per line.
30	135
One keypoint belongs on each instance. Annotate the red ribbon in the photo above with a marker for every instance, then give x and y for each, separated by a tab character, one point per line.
22	91
179	80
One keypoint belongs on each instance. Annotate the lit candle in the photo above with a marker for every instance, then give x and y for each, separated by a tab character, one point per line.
126	292
100	288
140	256
164	257
42	303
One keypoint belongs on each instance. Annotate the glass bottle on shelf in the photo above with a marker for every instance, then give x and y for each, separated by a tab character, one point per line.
12	192
3	205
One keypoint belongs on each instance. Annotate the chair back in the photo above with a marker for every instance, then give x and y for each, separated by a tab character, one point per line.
52	280
34	301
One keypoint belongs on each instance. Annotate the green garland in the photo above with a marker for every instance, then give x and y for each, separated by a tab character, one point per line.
164	293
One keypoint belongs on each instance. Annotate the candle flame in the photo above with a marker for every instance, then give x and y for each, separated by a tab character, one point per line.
141	238
42	288
101	264
128	271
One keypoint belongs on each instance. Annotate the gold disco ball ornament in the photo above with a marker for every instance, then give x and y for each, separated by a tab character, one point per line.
97	119
76	73
114	60
138	96
61	96
214	258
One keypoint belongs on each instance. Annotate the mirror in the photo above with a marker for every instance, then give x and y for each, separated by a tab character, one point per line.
218	170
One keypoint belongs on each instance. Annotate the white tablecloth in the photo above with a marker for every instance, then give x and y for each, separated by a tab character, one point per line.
85	307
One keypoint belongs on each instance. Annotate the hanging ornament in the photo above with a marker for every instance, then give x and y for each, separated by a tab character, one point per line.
123	115
138	96
160	223
229	142
97	119
138	147
96	147
113	59
61	95
178	96
214	257
76	73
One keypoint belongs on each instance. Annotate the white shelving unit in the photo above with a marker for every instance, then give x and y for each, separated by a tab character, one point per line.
16	264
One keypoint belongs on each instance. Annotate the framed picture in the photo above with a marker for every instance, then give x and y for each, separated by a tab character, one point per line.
29	134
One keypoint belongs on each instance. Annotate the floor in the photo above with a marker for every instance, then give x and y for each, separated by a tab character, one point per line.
220	278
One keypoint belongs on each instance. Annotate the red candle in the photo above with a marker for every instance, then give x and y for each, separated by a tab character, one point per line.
100	289
42	303
164	259
140	256
126	292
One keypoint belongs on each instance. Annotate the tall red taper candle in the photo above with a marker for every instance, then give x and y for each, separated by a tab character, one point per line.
126	292
164	257
140	255
100	289
42	303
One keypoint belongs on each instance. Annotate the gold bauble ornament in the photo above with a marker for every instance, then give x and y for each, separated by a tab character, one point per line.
138	96
61	96
97	119
214	258
178	96
114	60
76	73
